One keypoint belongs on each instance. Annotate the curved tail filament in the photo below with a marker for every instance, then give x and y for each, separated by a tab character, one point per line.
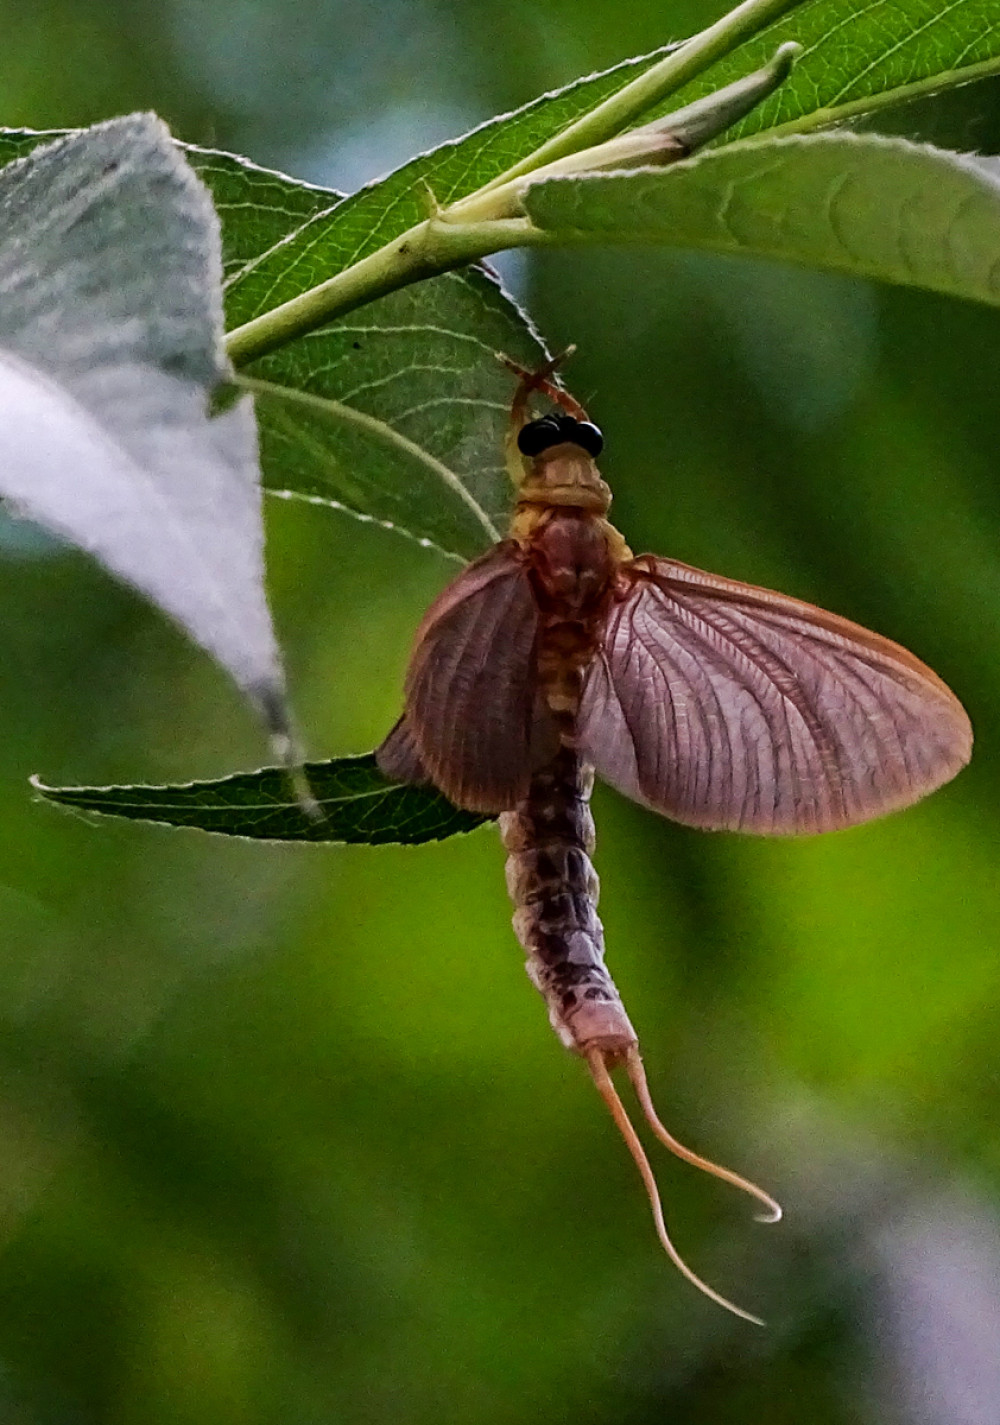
637	1075
602	1080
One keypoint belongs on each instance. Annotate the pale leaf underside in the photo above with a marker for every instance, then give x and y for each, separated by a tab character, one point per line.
859	204
110	353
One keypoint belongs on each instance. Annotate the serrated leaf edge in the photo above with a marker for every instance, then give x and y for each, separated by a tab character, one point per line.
418	159
970	163
380	430
50	795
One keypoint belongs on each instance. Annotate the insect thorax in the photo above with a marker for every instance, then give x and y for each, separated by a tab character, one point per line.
564	475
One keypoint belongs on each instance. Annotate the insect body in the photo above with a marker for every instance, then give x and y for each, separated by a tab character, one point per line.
716	703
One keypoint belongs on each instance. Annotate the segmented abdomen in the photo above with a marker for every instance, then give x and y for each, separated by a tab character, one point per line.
549	838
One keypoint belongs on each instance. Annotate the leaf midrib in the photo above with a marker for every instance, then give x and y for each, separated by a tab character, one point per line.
327	406
65	796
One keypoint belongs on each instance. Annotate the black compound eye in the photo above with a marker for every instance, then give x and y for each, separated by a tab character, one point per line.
589	436
553	429
539	435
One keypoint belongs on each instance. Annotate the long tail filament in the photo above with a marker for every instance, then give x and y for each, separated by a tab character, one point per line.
602	1080
637	1074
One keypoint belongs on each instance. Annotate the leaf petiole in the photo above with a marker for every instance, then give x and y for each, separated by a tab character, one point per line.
667	141
425	250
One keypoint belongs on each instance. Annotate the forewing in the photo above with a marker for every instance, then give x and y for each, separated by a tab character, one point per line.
399	758
470	688
734	708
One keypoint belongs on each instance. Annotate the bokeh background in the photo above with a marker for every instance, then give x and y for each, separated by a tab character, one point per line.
284	1135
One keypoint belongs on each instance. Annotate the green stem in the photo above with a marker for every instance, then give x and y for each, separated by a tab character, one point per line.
667	141
486	221
674	71
642	147
430	248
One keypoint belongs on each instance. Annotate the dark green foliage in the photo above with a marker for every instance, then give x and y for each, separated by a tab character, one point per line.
857	57
357	802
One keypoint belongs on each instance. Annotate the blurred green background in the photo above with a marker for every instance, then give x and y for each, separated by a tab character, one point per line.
284	1135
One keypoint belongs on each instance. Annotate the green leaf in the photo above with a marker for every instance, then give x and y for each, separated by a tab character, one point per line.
862	204
257	207
18	143
415	369
858	58
357	802
397	413
373	216
407	403
110	353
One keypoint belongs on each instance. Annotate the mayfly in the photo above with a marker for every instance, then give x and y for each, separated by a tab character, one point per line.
724	706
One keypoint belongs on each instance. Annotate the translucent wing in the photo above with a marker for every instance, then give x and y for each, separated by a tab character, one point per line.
470	689
730	707
399	758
